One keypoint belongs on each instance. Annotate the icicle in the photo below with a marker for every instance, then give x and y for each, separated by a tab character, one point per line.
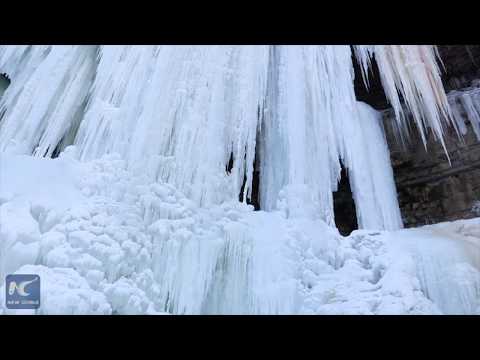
473	112
364	56
115	100
458	119
204	106
413	73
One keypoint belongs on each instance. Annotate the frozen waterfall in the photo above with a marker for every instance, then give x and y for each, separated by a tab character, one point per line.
140	154
180	113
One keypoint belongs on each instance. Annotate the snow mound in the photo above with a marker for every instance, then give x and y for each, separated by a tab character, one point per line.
38	180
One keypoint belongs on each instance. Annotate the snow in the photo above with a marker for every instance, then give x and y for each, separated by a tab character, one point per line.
134	246
36	179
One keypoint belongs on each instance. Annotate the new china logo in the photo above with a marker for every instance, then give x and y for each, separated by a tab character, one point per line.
22	291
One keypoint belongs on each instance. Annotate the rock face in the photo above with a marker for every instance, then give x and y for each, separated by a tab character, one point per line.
462	65
430	189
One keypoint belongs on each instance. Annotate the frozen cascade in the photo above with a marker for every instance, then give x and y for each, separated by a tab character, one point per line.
157	226
309	122
181	112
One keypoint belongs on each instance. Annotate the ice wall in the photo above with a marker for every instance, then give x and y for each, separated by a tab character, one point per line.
179	113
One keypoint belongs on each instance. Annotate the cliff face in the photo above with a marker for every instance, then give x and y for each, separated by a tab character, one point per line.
430	189
462	65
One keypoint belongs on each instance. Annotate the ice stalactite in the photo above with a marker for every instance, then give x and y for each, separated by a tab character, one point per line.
112	110
410	73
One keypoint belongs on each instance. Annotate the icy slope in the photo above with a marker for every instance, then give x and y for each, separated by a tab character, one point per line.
116	242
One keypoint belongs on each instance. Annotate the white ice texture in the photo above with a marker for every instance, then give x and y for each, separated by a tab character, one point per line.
140	213
180	113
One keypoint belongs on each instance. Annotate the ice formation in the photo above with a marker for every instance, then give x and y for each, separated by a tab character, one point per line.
410	73
465	105
140	212
180	113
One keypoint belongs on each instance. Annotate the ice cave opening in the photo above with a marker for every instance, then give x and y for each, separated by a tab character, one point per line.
4	83
344	206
